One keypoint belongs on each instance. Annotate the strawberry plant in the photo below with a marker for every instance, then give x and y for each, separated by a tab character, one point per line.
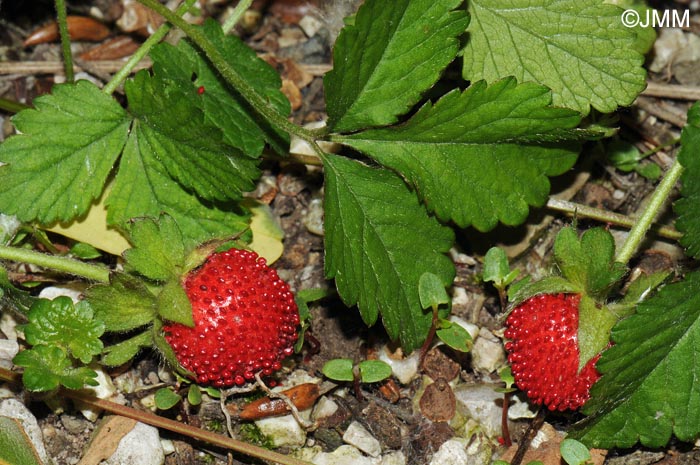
423	155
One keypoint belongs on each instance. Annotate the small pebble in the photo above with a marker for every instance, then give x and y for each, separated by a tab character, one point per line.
356	435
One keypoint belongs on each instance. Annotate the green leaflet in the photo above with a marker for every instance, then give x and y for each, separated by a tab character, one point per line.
61	324
393	53
143	187
223	108
482	155
47	367
15	446
170	127
68	146
688	206
379	241
581	50
649	387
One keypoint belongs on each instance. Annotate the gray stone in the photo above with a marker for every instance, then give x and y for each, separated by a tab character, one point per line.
13	408
140	446
356	435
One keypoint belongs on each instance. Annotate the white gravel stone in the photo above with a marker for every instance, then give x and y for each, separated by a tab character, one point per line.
487	354
324	408
140	446
343	455
481	403
8	350
471	328
72	290
452	452
393	458
404	368
356	435
104	390
283	431
13	408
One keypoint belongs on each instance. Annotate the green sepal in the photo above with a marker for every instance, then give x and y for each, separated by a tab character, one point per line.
59	323
594	325
302	299
15	446
159	249
124	304
166	351
589	262
118	354
47	367
549	285
643	287
174	305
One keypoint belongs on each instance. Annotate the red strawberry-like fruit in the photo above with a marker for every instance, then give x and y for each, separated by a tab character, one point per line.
544	352
245	320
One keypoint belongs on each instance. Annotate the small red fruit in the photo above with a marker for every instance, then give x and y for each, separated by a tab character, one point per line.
544	351
245	320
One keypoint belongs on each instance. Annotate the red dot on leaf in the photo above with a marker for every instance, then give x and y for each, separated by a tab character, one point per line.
200	90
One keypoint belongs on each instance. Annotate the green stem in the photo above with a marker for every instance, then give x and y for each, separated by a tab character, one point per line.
62	19
121	75
638	232
12	106
236	14
261	105
54	262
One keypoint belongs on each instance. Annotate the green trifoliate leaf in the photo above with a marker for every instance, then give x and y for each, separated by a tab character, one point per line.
339	369
159	250
143	187
431	291
588	262
170	126
124	304
379	241
580	50
60	323
480	156
649	388
688	206
373	371
393	53
174	305
15	446
68	146
225	109
122	352
47	367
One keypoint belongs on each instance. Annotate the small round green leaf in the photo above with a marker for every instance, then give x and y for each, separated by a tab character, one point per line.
574	453
454	336
431	291
373	371
194	395
339	369
166	399
506	376
85	251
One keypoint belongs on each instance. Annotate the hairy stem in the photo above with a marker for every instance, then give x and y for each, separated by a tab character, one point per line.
64	264
645	220
62	19
170	425
229	73
121	75
236	14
